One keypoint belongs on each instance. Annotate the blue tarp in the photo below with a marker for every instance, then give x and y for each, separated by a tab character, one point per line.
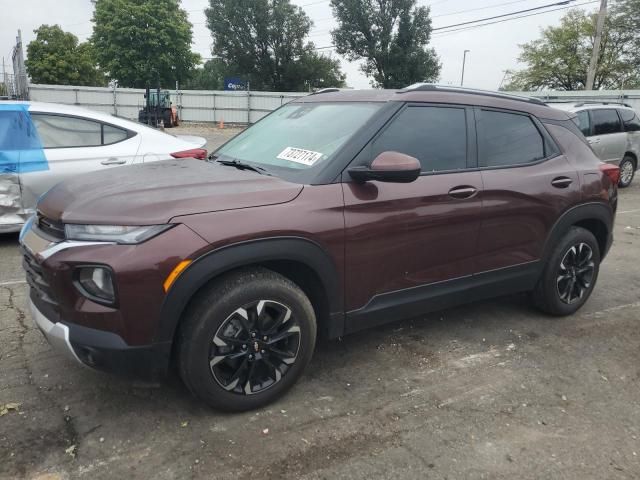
20	147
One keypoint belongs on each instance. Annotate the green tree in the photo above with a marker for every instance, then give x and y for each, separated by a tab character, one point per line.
140	42
56	57
624	18
391	36
208	77
316	71
263	41
560	58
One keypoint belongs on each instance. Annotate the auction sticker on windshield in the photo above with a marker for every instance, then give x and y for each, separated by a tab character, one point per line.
299	155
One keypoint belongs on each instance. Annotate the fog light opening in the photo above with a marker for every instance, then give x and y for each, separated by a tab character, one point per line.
96	283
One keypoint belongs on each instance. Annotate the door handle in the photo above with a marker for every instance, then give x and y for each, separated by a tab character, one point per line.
113	161
463	192
593	140
561	182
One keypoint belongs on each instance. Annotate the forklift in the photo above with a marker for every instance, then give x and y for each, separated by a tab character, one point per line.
158	109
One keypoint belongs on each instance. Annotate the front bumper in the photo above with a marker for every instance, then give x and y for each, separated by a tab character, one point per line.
57	334
121	340
102	350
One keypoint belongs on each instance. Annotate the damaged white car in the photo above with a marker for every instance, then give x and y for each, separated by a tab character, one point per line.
42	144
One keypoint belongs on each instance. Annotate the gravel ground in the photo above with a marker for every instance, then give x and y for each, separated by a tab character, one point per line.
491	390
214	135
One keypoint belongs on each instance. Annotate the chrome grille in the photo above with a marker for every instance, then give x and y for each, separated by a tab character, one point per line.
50	227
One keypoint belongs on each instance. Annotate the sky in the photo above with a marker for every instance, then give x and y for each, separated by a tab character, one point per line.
493	48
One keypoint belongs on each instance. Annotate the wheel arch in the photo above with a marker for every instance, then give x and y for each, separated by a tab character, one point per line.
595	217
301	260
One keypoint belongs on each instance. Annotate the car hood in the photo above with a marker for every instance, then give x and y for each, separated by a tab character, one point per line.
154	193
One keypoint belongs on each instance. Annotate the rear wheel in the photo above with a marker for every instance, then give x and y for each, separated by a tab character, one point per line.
246	340
627	171
570	274
167	119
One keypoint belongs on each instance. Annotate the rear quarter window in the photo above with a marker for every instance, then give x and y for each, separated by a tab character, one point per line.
630	120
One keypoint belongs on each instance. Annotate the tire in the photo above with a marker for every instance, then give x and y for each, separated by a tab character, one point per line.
572	252
627	171
166	119
214	348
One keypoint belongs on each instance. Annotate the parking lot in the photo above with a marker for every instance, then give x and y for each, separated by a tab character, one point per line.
489	390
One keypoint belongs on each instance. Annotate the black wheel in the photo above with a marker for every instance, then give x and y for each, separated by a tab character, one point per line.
627	172
246	339
166	119
570	274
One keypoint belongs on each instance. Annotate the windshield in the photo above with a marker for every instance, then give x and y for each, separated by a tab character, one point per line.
298	136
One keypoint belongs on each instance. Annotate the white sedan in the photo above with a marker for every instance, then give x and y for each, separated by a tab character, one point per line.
42	144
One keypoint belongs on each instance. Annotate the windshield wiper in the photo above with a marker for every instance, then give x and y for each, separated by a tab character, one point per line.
243	166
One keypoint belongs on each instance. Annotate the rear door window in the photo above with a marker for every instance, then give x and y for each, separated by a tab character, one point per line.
61	131
506	139
630	120
605	121
436	136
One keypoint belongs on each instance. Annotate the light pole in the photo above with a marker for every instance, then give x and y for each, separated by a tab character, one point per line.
464	60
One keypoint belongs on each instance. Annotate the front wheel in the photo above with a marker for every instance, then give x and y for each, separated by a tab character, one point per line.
246	340
570	274
627	172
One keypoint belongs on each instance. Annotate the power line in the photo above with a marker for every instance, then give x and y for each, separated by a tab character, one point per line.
479	8
471	27
457	30
564	2
313	3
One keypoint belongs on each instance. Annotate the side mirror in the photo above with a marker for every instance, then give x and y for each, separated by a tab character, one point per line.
388	167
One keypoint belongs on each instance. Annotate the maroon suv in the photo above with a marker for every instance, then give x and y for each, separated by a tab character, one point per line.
339	211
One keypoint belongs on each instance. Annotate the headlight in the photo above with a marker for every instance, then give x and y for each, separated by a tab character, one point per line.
127	235
96	283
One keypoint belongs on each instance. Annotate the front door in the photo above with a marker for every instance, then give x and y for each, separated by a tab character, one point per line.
400	236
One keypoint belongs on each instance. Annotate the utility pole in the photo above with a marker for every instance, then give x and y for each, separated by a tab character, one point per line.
464	61
593	64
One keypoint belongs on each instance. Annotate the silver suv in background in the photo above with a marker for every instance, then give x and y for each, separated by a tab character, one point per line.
613	130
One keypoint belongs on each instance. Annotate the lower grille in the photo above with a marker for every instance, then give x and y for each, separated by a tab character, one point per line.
35	278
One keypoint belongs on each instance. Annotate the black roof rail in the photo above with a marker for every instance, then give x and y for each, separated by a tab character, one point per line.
325	90
421	87
582	104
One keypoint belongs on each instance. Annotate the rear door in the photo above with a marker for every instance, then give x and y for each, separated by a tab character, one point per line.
608	139
405	235
75	145
527	184
631	124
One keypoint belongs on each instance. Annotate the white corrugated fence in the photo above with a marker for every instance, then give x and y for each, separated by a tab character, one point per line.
246	107
193	105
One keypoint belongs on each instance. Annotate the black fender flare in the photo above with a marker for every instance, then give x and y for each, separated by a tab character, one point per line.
223	259
588	211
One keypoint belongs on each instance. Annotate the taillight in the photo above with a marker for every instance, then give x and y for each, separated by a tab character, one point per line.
199	153
611	171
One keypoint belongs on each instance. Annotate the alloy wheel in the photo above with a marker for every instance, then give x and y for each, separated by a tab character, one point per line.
575	275
254	347
626	173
